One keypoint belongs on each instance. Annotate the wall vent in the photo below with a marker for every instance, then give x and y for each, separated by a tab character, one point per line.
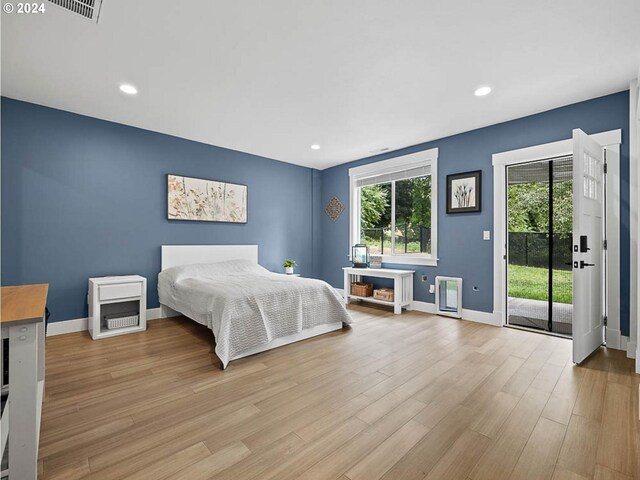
89	9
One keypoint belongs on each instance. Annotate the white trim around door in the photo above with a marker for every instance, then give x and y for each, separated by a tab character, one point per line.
611	140
634	224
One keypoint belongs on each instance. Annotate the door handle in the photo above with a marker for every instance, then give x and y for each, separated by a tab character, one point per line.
585	264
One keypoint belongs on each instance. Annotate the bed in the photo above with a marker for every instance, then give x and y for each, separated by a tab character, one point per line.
248	308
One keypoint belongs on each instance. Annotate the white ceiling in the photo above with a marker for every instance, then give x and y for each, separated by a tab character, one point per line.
273	77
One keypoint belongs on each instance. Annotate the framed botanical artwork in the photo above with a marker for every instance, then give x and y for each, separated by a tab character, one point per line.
464	192
205	200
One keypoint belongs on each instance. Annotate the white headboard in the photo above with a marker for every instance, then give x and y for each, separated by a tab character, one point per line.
176	255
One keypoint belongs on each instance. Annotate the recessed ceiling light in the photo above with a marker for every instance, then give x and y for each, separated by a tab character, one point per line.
482	91
315	146
128	89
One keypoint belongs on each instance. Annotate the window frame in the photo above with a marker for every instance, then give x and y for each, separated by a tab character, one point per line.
405	162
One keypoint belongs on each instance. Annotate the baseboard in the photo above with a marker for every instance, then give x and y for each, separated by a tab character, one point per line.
614	339
481	317
471	315
632	350
67	326
424	307
82	324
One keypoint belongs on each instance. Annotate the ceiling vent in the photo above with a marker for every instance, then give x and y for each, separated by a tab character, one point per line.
379	150
89	9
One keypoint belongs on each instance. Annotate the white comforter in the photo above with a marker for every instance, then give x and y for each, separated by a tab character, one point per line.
247	306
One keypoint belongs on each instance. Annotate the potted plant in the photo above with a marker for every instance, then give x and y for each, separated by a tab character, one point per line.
289	265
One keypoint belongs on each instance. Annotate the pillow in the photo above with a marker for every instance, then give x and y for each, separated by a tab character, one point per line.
209	270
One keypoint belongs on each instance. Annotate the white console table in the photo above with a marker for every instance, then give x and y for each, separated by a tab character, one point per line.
23	322
402	286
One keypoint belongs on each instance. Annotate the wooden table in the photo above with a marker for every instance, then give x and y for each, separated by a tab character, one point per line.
402	286
22	319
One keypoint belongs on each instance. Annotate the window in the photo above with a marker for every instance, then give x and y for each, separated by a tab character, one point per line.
393	208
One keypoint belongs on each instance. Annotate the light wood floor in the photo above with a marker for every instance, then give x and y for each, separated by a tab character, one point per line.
393	397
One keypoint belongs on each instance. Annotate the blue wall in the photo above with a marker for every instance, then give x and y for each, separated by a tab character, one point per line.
461	250
82	197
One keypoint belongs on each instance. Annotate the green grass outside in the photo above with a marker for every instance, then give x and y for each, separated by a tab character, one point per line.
374	246
533	283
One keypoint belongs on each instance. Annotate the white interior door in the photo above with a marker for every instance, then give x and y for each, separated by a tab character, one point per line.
588	245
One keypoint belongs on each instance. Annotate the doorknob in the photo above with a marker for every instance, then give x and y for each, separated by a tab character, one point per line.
585	264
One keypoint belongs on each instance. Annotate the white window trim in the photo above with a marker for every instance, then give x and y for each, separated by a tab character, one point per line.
611	140
413	160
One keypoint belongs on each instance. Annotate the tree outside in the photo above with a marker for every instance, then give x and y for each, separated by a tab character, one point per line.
412	219
374	200
528	207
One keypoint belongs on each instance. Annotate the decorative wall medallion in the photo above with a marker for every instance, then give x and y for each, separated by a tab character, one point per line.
334	208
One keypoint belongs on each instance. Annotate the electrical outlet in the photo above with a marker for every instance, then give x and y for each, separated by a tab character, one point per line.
423	278
486	235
